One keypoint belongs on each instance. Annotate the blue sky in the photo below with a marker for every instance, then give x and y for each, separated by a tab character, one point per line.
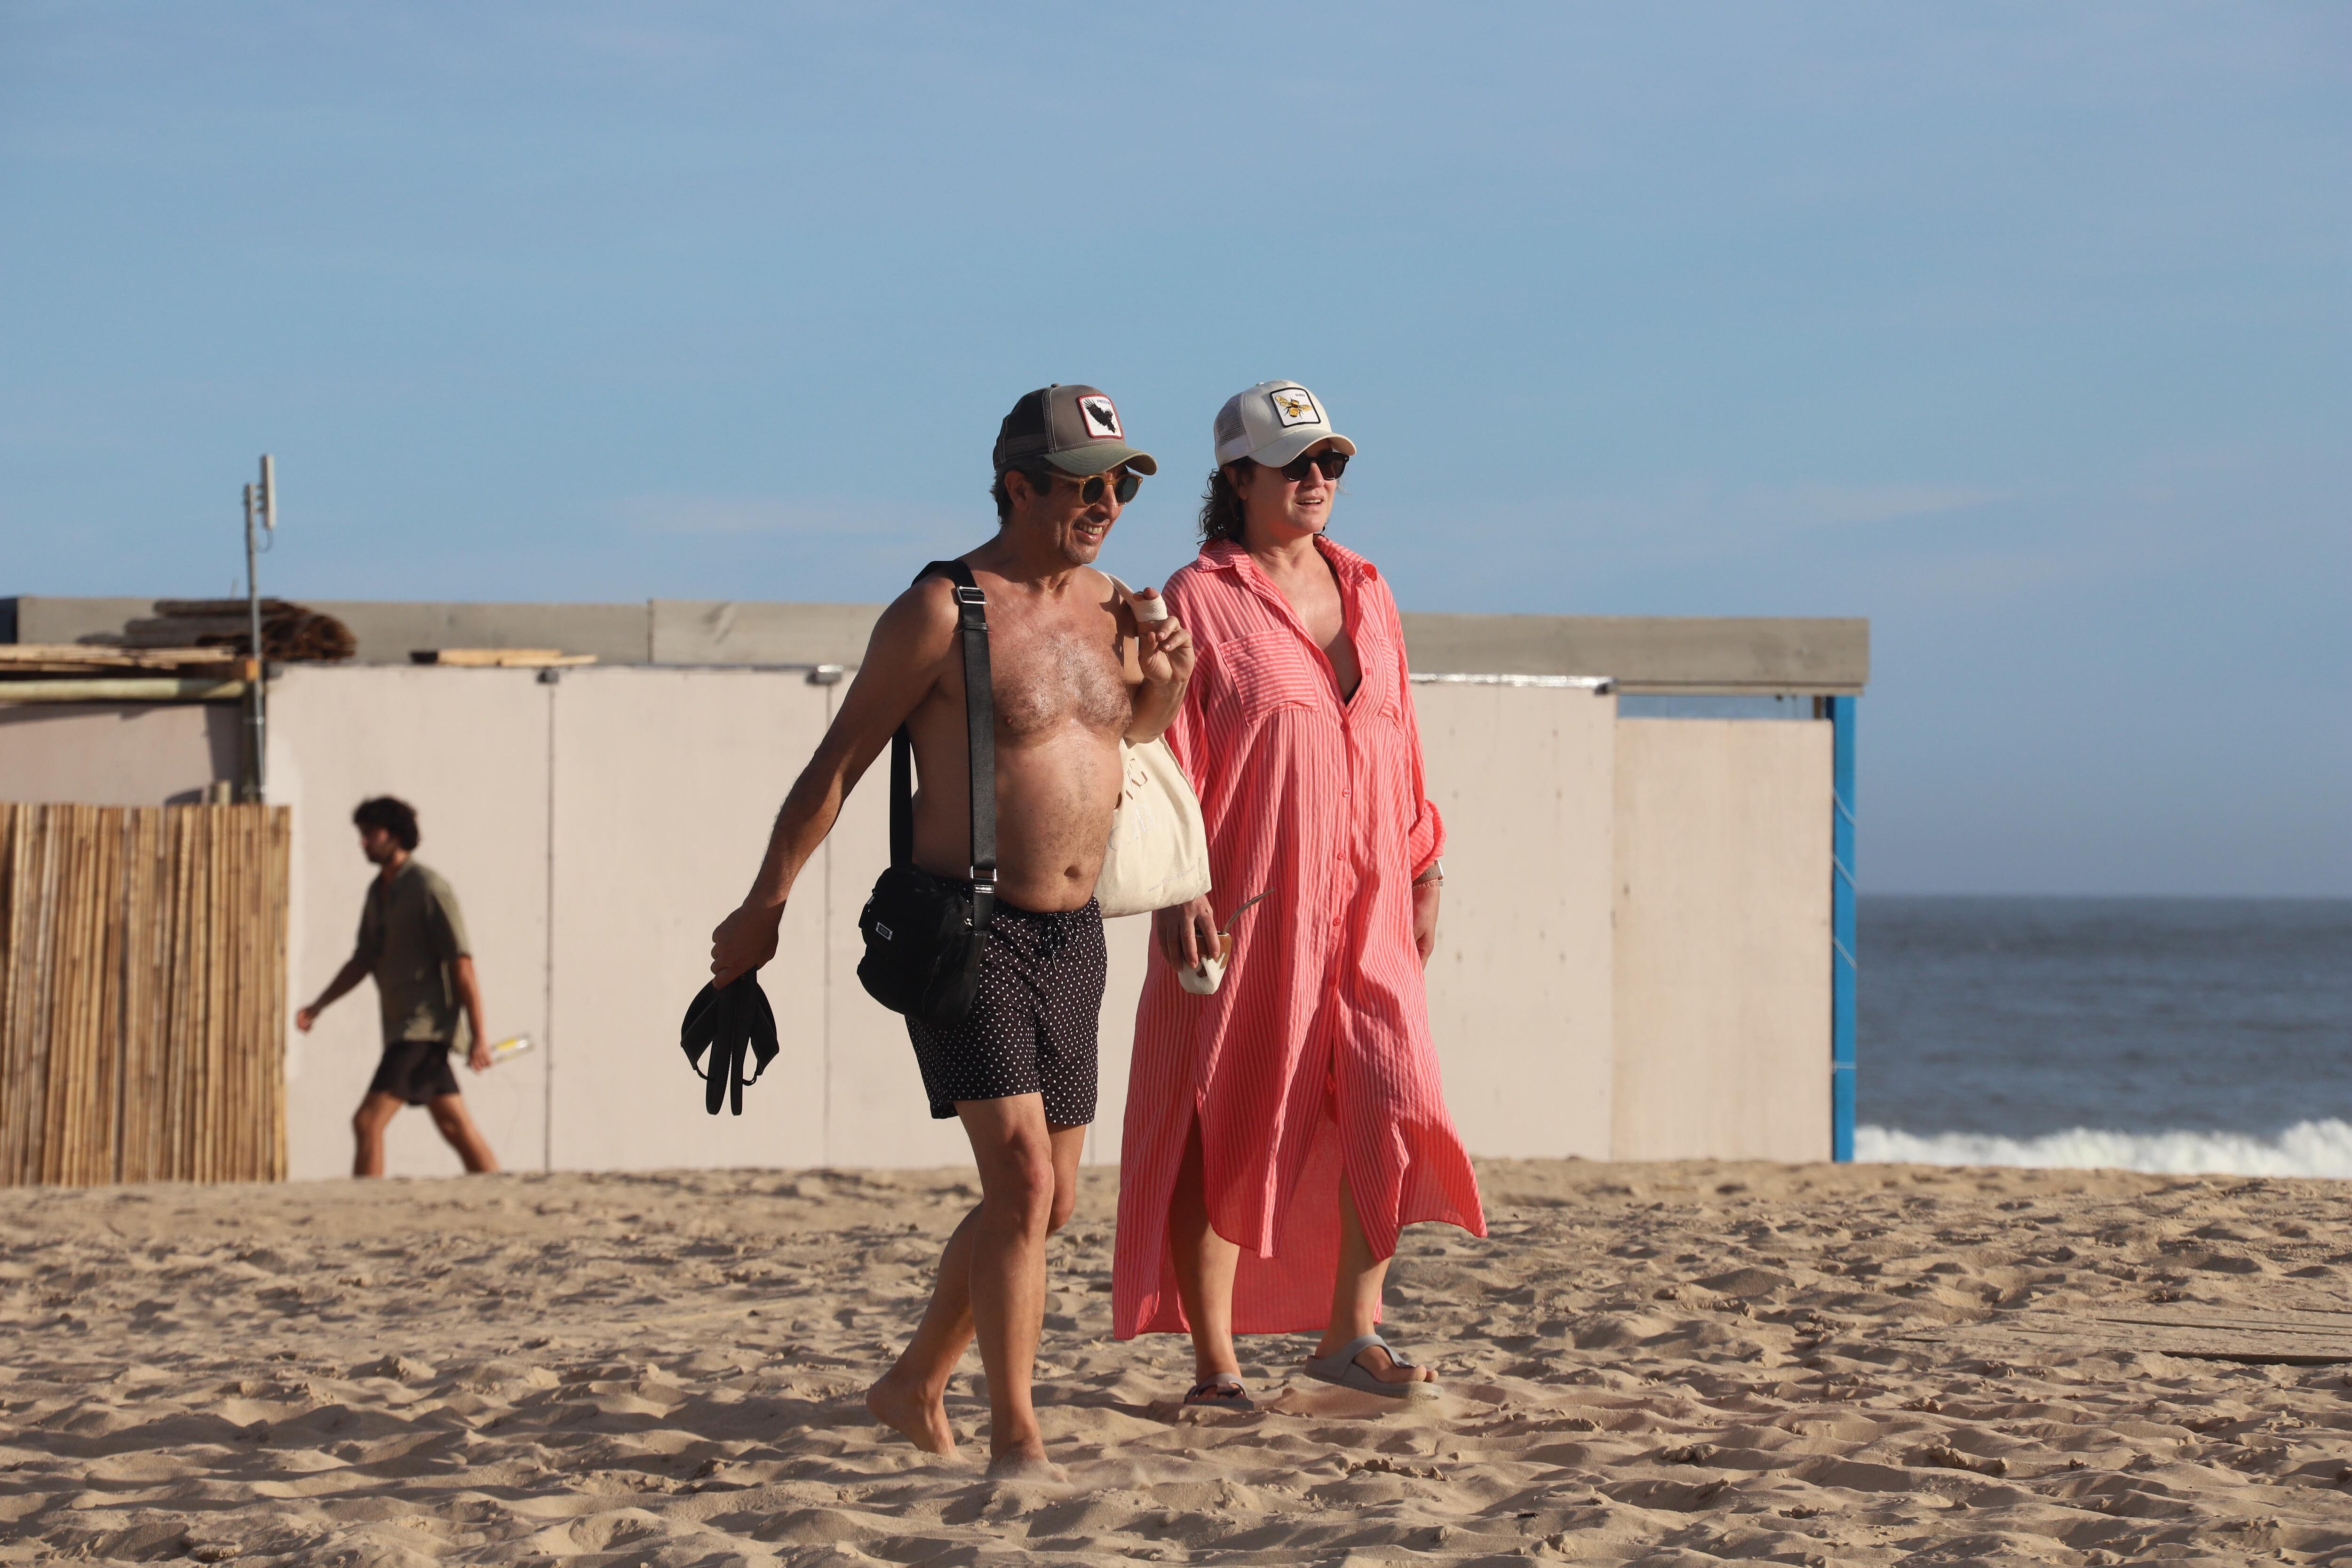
2023	329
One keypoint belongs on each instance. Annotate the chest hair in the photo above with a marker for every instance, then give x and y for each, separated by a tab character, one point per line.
1050	678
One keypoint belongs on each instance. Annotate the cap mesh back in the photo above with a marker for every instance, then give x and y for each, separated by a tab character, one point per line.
1229	426
1023	433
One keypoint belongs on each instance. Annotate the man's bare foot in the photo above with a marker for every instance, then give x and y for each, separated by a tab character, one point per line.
921	1418
1025	1465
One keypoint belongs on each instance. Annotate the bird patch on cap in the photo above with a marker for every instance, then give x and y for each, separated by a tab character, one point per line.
1102	419
1295	406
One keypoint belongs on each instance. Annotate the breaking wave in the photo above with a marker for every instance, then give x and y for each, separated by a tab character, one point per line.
2305	1149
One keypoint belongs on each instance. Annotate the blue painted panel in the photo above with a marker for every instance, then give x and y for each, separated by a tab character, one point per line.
1842	931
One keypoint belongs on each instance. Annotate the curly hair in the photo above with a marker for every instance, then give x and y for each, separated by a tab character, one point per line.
393	814
1221	507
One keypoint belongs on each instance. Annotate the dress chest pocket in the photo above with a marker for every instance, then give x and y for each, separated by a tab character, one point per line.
1378	692
1266	672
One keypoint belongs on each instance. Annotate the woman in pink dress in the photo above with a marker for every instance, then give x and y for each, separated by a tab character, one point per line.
1281	1131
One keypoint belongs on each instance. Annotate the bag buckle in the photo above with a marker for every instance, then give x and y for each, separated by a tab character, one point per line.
970	595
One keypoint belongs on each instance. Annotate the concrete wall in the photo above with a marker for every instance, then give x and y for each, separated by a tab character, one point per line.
728	631
1633	959
388	630
116	753
1722	940
42	618
595	829
1520	985
656	631
664	783
469	750
1652	652
1642	653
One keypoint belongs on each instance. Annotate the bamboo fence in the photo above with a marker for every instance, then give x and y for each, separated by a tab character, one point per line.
142	993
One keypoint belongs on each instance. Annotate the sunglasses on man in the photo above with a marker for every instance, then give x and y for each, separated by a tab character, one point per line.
1121	482
1333	465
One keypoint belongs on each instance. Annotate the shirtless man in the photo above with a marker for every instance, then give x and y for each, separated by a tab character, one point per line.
1072	674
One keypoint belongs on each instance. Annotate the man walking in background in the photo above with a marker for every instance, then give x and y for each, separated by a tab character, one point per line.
412	940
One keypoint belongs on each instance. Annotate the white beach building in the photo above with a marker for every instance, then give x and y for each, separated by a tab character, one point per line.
1645	952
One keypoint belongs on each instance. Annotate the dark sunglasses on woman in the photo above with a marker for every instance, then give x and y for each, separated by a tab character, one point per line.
1333	465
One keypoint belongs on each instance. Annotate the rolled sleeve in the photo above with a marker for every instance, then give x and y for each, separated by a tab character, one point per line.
1425	840
448	923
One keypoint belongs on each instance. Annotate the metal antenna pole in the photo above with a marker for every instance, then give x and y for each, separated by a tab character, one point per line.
256	718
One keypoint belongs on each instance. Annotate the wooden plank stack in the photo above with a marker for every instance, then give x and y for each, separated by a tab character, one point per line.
142	993
41	660
290	632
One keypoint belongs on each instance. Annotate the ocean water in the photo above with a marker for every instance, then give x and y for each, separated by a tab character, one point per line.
2177	1035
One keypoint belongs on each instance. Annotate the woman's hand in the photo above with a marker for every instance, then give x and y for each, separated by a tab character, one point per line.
1185	931
1425	918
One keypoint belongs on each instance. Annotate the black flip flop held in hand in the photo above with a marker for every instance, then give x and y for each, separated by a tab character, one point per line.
729	1023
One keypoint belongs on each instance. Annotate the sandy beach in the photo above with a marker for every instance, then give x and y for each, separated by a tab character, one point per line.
1654	1363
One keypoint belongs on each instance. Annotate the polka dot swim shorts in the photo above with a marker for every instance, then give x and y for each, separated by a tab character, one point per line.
1032	1028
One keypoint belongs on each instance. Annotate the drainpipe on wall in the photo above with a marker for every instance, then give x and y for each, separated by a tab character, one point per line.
1843	968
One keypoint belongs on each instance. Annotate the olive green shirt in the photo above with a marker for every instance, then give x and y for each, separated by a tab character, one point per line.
411	938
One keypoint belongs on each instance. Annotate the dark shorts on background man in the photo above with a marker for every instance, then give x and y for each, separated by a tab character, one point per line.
415	1070
1032	1027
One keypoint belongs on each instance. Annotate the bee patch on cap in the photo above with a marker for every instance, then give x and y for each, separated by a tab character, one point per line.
1295	406
1101	418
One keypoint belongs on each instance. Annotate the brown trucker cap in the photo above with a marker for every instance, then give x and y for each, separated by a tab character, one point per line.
1074	428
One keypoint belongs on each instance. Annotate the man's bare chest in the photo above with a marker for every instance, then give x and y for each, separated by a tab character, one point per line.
1055	675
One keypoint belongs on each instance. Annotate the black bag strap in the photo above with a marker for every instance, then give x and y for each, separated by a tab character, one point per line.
980	742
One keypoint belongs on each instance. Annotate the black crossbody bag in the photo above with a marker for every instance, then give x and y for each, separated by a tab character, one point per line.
924	933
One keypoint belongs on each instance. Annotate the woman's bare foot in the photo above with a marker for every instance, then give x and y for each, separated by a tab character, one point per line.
1376	1359
918	1416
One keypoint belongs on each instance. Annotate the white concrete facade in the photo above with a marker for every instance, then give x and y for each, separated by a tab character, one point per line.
1633	957
116	753
1722	949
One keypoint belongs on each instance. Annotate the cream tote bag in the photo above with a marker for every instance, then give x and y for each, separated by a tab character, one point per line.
1158	845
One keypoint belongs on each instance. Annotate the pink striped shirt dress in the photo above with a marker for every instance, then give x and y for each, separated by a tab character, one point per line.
1314	1056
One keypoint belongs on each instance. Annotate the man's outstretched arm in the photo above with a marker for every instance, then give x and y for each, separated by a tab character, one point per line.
904	660
353	970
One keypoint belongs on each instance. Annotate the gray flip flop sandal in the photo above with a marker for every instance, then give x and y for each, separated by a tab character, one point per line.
1340	1367
1222	1392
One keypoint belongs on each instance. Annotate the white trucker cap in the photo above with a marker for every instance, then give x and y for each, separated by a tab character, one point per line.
1272	422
